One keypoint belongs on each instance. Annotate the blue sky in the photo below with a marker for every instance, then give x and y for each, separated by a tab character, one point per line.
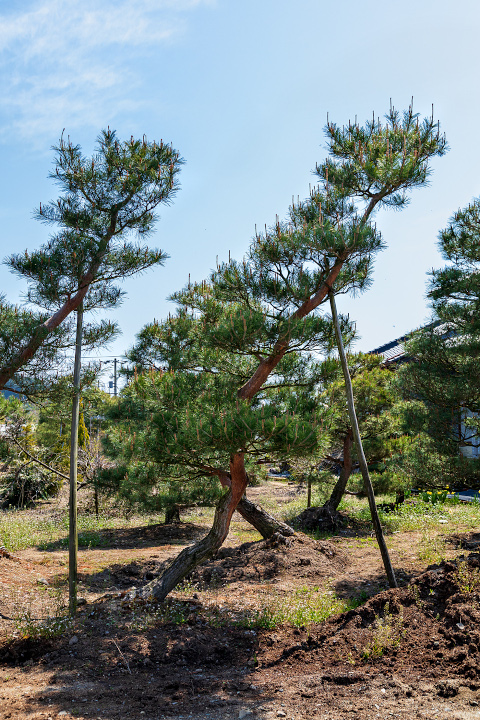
242	90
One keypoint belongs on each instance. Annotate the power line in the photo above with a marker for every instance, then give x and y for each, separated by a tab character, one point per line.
92	357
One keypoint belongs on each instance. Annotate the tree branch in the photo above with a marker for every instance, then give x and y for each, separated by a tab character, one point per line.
37	460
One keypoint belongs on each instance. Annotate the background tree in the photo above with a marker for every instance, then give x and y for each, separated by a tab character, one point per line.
376	399
362	461
104	200
25	475
54	418
265	308
441	381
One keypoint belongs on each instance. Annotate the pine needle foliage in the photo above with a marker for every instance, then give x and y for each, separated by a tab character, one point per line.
104	200
376	397
442	380
174	427
254	322
327	241
228	373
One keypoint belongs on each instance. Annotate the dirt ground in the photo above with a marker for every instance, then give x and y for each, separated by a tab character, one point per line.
407	653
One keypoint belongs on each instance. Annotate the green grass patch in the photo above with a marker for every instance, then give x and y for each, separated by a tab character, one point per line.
417	514
468	578
42	616
20	529
388	632
304	607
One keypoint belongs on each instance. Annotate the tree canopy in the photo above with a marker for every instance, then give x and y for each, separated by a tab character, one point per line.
259	312
104	200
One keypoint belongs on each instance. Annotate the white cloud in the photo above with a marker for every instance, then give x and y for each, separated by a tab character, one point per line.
66	62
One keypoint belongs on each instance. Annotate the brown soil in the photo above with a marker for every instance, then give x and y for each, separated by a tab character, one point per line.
279	560
419	657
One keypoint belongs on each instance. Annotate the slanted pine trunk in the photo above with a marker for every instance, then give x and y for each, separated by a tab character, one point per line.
325	517
339	489
262	521
193	555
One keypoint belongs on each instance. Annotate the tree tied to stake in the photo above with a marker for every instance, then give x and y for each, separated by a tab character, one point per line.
266	307
104	200
360	453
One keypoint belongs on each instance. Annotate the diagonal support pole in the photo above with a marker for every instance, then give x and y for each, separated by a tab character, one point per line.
361	455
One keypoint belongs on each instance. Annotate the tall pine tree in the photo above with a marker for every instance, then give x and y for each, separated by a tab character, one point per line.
104	200
266	308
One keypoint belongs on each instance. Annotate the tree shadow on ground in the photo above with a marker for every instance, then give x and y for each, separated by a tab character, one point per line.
132	538
121	576
363	587
126	659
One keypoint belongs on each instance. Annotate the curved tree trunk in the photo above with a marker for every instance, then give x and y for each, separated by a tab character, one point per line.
339	489
193	555
262	521
325	517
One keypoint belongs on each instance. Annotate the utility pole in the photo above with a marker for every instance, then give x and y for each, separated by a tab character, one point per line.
115	377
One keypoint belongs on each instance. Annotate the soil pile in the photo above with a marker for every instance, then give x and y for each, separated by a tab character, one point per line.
405	653
431	626
274	559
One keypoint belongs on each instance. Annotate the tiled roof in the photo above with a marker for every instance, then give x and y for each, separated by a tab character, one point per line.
392	351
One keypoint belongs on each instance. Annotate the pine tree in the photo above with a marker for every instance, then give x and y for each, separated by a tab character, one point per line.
104	200
442	378
266	308
376	398
176	429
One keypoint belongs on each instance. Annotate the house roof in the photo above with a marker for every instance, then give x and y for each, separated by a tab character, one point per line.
393	351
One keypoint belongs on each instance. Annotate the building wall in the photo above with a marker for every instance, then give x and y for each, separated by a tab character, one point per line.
470	434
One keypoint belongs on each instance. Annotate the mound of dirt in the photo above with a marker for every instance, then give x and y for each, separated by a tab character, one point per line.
321	519
466	541
431	626
407	653
318	518
276	558
133	574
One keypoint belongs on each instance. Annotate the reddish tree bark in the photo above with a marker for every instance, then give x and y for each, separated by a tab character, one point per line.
253	385
192	556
